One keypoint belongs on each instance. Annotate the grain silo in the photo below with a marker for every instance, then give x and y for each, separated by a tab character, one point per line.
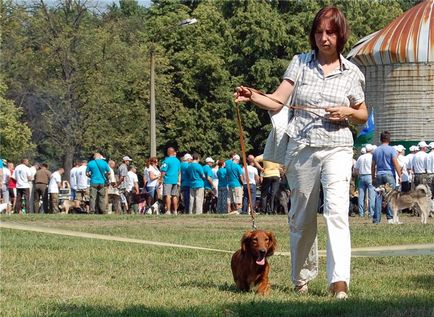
398	63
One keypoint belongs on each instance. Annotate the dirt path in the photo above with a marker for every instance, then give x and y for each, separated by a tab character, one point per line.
400	250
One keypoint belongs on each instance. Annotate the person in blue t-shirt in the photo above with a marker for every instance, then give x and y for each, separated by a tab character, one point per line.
197	183
384	164
171	175
222	197
209	196
98	170
185	181
1	168
235	180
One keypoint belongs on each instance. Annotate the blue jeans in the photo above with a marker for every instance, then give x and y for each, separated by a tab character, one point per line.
366	187
381	180
185	192
246	197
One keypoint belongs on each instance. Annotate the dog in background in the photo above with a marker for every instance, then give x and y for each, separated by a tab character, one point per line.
67	205
154	209
5	208
249	264
418	200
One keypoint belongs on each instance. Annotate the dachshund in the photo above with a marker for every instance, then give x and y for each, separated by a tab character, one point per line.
249	264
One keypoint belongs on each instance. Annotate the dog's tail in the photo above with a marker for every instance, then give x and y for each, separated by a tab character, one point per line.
422	191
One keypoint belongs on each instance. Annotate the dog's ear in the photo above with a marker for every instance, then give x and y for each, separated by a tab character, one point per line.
245	241
272	243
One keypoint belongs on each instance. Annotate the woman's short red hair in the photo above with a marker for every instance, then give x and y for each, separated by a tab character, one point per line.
339	23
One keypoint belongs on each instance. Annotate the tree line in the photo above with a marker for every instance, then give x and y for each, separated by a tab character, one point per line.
75	77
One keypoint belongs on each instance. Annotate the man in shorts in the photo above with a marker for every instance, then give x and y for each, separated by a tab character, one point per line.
235	180
171	175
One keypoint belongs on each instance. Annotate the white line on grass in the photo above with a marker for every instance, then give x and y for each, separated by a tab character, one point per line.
398	250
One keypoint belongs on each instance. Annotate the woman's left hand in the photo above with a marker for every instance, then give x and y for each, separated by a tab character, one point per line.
339	113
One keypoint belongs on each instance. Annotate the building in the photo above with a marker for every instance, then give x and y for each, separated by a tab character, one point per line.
398	63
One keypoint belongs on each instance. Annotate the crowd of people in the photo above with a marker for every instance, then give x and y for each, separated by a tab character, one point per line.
184	185
389	164
173	185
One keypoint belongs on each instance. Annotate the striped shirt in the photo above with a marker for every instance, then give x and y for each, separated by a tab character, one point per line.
342	87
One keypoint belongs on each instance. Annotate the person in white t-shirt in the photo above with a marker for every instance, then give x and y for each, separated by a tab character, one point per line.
131	188
113	190
430	168
53	189
33	170
23	177
5	181
82	183
362	168
402	161
73	179
409	158
419	163
153	182
253	180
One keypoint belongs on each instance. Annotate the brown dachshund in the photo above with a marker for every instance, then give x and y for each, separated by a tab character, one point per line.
249	264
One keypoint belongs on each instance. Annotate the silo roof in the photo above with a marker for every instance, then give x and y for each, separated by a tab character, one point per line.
407	39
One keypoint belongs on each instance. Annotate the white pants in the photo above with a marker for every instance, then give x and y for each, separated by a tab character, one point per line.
308	168
196	201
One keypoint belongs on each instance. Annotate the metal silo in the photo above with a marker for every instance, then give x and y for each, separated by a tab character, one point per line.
398	63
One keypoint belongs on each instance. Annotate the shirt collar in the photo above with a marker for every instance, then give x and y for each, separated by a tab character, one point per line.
343	61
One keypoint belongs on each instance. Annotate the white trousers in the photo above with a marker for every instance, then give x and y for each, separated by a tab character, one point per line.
308	168
196	201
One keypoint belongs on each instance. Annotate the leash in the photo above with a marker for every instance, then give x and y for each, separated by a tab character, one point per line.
303	108
246	171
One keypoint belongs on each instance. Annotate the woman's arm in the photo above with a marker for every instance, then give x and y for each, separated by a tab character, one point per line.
273	102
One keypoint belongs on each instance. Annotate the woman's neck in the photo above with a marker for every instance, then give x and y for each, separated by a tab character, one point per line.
326	59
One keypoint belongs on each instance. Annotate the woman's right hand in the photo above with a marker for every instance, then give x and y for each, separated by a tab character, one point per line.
242	94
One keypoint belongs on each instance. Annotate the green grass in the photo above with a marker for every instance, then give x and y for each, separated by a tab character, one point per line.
53	275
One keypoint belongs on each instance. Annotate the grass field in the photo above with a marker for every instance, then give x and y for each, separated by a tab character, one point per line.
54	275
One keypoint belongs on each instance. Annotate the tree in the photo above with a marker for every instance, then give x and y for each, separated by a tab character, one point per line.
15	136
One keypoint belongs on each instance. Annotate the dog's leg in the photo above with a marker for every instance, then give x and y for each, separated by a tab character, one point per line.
395	215
263	287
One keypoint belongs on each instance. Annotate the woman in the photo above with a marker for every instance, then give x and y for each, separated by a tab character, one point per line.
152	181
328	93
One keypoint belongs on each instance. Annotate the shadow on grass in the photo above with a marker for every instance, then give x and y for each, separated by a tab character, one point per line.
423	282
233	289
398	307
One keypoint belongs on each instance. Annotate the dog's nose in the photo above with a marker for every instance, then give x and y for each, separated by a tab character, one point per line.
262	252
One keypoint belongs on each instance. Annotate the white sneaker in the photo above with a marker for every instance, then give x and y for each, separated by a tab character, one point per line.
390	221
341	296
235	212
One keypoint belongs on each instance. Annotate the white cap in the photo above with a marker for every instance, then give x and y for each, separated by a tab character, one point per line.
126	158
187	157
363	150
369	147
412	148
236	157
422	144
209	160
400	148
431	145
374	147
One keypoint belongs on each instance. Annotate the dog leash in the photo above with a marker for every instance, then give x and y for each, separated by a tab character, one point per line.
246	171
293	107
